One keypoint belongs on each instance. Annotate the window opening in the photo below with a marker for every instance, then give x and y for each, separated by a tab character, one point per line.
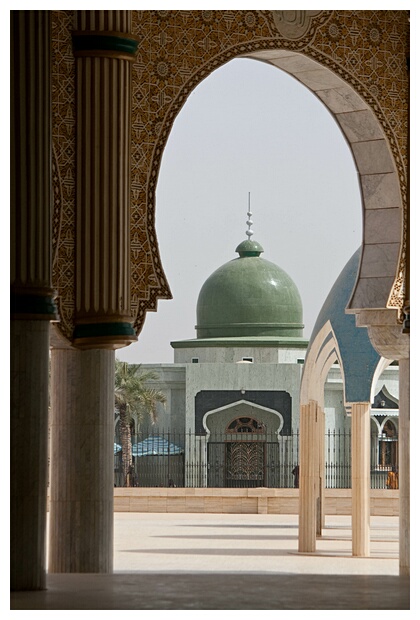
245	425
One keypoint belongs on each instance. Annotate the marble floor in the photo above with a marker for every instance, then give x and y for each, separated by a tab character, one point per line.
233	562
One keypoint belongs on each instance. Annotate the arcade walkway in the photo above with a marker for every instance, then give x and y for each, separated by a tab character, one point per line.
213	561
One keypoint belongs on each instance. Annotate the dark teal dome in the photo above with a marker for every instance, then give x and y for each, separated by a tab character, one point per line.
359	358
249	296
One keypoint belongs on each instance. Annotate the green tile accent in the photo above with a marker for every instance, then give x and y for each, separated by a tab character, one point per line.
97	330
33	304
113	42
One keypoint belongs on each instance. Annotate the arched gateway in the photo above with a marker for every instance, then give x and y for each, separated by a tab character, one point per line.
367	97
118	80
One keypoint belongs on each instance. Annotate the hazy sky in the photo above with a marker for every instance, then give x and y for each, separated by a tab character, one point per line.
250	127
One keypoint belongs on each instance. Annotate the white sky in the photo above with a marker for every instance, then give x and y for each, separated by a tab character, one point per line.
250	127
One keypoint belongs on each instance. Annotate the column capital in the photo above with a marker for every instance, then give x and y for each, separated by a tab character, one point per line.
386	332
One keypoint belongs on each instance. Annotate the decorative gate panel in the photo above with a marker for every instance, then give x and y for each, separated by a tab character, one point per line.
245	464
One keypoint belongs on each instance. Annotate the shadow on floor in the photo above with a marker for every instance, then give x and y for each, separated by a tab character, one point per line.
176	591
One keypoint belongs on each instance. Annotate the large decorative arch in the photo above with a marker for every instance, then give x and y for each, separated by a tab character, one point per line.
365	88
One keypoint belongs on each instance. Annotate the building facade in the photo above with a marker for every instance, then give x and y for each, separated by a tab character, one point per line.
233	393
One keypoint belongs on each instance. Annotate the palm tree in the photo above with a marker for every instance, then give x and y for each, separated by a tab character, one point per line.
133	401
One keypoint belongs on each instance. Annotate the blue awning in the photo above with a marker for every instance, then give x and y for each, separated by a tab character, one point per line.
156	446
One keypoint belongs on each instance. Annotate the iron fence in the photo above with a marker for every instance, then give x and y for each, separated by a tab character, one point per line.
167	459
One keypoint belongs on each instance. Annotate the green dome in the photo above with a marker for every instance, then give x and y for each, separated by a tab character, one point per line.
249	296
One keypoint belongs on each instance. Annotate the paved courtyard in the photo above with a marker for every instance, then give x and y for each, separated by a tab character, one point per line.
233	562
247	543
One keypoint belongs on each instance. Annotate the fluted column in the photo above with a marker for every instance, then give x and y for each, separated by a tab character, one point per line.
104	50
404	466
82	432
82	469
308	477
30	178
32	303
360	478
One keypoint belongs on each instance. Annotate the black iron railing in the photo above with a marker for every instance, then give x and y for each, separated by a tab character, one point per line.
167	459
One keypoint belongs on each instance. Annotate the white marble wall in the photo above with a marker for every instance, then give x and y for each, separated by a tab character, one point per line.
231	355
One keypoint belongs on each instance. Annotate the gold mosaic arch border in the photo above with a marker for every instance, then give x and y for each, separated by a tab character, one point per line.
63	75
302	45
179	49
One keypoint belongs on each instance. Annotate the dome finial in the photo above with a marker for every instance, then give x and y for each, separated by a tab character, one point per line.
249	247
249	222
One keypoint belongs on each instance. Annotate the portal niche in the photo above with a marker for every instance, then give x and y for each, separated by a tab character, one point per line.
244	451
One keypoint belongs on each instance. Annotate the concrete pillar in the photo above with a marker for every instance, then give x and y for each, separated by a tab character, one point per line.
82	471
32	298
28	453
321	472
392	341
404	466
308	477
360	476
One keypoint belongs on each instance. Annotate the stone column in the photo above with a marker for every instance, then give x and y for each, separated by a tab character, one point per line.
81	513
360	476
104	51
32	298
28	453
308	477
392	340
404	466
82	468
321	471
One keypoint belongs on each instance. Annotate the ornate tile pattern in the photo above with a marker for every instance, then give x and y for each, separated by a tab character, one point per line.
64	167
178	49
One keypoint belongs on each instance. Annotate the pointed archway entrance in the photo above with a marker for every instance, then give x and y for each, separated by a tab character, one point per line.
245	447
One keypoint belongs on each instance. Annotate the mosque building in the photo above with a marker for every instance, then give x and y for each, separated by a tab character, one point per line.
233	393
81	286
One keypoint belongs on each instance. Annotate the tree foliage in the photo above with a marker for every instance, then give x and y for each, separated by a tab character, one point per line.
134	400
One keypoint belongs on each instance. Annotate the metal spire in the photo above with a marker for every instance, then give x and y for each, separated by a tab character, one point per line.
249	222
